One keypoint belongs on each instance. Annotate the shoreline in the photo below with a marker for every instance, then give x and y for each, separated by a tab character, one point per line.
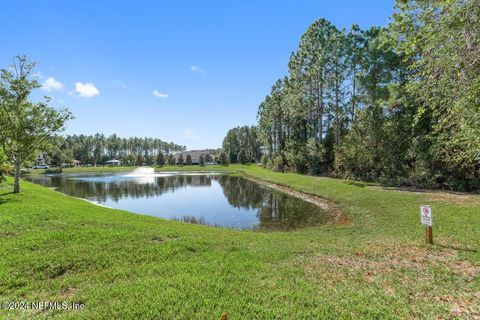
331	208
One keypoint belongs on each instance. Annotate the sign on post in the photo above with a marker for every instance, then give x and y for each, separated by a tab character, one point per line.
427	221
426	215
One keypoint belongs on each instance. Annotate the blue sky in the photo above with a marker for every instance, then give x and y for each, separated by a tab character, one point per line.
182	71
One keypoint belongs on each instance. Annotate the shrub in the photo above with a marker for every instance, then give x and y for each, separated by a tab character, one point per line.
180	160
5	169
188	161
264	161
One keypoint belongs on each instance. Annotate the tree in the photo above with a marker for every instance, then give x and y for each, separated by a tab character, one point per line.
242	158
242	138
170	159
442	45
180	160
201	160
99	148
25	127
398	103
188	160
140	160
222	158
160	159
130	159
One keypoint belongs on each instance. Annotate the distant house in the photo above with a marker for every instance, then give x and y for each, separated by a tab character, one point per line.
74	163
40	160
113	162
195	154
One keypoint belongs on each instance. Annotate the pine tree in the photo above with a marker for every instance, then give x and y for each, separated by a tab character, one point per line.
242	158
222	158
170	159
180	160
160	159
201	160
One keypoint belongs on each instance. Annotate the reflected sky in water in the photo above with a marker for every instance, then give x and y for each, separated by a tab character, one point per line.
213	199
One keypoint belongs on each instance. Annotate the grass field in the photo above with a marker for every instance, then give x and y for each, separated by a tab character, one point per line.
373	265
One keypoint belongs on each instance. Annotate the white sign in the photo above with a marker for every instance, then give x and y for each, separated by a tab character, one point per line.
426	215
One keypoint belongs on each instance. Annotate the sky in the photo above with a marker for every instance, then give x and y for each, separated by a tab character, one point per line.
181	71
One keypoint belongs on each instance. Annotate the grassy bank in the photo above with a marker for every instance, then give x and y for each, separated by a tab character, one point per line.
123	265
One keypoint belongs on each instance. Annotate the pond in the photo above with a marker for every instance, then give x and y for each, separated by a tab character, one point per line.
208	198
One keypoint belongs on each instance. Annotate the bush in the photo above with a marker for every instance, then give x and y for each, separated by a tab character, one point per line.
278	163
54	170
264	161
188	161
5	169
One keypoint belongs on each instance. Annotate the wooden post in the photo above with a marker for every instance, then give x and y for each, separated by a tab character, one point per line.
428	234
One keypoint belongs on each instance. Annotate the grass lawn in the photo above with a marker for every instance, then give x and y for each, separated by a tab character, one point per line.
127	266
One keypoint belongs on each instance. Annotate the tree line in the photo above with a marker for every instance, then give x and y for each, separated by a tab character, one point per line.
398	104
98	148
242	145
29	127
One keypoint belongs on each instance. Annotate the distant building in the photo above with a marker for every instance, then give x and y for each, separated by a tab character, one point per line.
113	162
195	154
40	160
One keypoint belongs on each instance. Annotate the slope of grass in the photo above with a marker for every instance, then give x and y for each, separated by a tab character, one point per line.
128	266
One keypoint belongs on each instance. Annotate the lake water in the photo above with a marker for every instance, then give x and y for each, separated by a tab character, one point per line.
214	199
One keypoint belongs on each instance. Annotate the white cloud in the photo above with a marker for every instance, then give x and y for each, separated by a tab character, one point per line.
158	94
52	85
190	135
86	90
197	69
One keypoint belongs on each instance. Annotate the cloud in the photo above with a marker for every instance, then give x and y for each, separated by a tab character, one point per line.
197	69
190	135
85	90
52	85
158	94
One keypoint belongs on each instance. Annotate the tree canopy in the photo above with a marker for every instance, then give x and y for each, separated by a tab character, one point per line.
26	127
398	104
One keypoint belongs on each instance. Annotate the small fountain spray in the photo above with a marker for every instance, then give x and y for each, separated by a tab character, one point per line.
142	172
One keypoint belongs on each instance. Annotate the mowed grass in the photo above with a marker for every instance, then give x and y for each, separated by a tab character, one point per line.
127	266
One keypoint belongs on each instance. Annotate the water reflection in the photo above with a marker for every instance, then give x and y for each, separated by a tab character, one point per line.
214	199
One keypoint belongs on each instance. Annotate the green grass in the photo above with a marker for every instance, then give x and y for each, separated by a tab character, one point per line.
126	266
